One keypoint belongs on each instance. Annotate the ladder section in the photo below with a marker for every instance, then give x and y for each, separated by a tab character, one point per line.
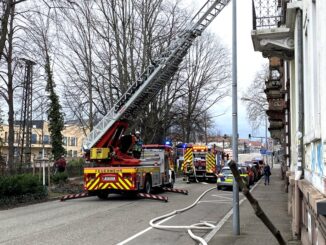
207	14
144	89
156	75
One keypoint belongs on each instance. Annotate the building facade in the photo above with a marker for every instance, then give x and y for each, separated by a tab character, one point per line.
40	141
292	35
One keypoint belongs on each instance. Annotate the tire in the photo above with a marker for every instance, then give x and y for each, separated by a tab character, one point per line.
148	185
103	195
219	187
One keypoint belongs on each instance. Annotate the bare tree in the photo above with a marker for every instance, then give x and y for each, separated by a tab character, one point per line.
6	10
157	119
7	85
206	78
256	100
128	35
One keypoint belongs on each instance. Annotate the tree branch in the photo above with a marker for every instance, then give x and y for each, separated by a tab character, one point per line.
255	205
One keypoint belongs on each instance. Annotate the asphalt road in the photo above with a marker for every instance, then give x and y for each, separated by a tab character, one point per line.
118	220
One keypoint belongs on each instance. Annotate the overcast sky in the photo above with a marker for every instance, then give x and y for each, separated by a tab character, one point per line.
249	62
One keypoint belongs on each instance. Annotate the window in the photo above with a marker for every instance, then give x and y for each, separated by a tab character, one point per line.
39	156
64	140
75	154
34	139
70	153
46	139
73	141
17	138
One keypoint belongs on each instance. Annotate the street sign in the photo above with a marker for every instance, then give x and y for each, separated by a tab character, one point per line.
263	151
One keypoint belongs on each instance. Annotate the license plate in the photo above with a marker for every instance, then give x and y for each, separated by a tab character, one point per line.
108	178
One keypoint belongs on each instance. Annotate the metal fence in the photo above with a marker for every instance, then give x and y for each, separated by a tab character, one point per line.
268	14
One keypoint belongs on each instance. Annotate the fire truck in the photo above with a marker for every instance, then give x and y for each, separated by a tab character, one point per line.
112	169
199	162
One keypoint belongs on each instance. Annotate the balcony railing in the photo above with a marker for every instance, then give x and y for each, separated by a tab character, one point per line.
268	14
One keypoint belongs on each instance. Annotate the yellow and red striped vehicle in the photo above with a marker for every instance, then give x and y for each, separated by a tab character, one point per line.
199	162
155	169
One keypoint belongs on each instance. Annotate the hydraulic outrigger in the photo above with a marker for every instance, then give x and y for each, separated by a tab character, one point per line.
140	195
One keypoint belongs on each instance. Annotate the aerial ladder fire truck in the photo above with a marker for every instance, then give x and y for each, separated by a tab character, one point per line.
106	146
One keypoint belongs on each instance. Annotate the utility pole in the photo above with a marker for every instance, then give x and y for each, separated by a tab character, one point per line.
236	216
25	125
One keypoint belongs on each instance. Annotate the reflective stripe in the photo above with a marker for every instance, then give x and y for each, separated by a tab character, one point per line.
120	187
210	162
124	185
187	156
94	184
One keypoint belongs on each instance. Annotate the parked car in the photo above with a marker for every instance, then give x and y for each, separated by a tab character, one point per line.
255	168
251	172
225	177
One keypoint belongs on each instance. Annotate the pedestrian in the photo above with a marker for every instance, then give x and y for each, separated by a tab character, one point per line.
137	148
60	165
267	173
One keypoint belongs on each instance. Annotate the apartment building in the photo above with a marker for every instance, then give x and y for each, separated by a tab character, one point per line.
40	141
292	35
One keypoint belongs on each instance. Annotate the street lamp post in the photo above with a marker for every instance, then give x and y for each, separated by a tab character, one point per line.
235	204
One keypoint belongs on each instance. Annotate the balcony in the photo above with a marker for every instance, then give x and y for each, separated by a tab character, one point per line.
270	34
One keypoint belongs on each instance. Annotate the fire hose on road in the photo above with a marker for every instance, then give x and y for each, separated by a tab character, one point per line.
198	226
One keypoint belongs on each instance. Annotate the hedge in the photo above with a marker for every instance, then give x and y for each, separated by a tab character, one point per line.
21	188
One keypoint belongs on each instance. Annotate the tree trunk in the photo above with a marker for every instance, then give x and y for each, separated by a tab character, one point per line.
4	25
11	135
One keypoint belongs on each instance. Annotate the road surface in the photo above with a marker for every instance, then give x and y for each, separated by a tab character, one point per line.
118	220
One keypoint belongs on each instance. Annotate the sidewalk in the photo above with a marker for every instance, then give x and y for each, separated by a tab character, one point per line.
273	200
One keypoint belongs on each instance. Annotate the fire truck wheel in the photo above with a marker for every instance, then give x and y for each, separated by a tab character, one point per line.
148	185
103	195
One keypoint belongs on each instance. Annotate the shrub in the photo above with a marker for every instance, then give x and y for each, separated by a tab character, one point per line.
76	162
20	188
59	177
75	167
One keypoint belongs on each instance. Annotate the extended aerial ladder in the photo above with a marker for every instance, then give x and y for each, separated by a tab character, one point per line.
152	80
113	169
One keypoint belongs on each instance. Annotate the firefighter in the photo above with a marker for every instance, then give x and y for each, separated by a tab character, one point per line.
189	170
137	146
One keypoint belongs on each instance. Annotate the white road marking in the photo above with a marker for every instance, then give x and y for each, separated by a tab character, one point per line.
215	201
143	231
224	197
207	238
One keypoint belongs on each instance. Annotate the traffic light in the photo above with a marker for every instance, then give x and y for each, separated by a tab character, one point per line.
249	136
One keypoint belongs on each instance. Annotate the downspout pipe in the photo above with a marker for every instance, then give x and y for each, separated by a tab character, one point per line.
300	164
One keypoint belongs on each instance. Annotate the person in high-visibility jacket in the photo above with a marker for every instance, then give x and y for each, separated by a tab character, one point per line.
138	145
